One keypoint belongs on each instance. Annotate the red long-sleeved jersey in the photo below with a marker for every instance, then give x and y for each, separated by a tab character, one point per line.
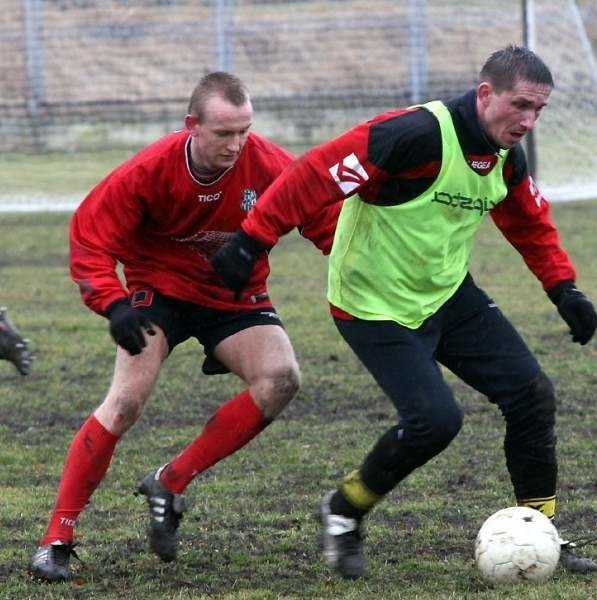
392	159
151	215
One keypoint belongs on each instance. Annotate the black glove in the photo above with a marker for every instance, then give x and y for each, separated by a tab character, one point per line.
234	261
576	309
127	325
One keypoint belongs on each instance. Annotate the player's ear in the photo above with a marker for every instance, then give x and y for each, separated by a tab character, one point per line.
191	123
484	90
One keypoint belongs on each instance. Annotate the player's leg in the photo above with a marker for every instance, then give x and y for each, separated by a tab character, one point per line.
263	357
402	362
482	347
91	450
257	349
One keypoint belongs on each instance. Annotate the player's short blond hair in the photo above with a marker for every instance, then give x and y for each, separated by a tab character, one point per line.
220	83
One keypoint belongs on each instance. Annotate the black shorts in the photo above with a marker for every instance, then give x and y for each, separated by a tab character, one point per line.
180	320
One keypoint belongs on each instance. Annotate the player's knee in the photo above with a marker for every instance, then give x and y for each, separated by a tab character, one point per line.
432	432
121	410
412	443
531	424
543	396
444	427
285	383
276	389
541	426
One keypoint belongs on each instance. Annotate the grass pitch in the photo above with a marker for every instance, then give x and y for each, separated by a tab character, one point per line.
251	532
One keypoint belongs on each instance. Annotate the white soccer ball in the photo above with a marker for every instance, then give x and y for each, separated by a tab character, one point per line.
515	544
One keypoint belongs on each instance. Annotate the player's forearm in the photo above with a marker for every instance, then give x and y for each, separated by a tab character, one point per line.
96	277
525	221
538	244
548	262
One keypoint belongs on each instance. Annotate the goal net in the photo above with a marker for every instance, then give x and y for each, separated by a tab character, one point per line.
94	74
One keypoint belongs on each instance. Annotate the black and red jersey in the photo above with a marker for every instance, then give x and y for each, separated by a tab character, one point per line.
393	158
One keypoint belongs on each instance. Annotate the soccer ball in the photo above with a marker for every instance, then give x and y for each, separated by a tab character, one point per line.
515	544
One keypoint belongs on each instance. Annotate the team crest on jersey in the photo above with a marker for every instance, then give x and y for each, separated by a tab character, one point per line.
248	200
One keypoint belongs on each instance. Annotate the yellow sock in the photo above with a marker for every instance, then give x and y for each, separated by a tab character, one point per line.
545	505
357	493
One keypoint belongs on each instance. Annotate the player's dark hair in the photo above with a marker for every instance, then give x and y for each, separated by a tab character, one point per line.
220	83
505	67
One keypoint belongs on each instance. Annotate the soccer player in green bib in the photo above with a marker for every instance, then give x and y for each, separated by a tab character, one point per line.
417	183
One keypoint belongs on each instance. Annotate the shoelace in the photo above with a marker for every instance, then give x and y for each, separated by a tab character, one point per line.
585	540
61	553
572	561
351	540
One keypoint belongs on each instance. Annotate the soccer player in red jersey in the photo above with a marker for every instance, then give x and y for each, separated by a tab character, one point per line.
162	214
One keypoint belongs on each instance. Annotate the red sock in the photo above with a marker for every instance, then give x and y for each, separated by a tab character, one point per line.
86	463
232	426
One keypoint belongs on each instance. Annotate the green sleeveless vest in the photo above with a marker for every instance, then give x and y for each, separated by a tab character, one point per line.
401	263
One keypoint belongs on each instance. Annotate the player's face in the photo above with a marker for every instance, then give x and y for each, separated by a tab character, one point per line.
509	115
218	140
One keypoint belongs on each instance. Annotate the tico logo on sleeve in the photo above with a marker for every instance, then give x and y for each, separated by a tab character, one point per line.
349	173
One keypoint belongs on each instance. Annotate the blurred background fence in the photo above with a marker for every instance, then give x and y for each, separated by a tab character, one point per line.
96	74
